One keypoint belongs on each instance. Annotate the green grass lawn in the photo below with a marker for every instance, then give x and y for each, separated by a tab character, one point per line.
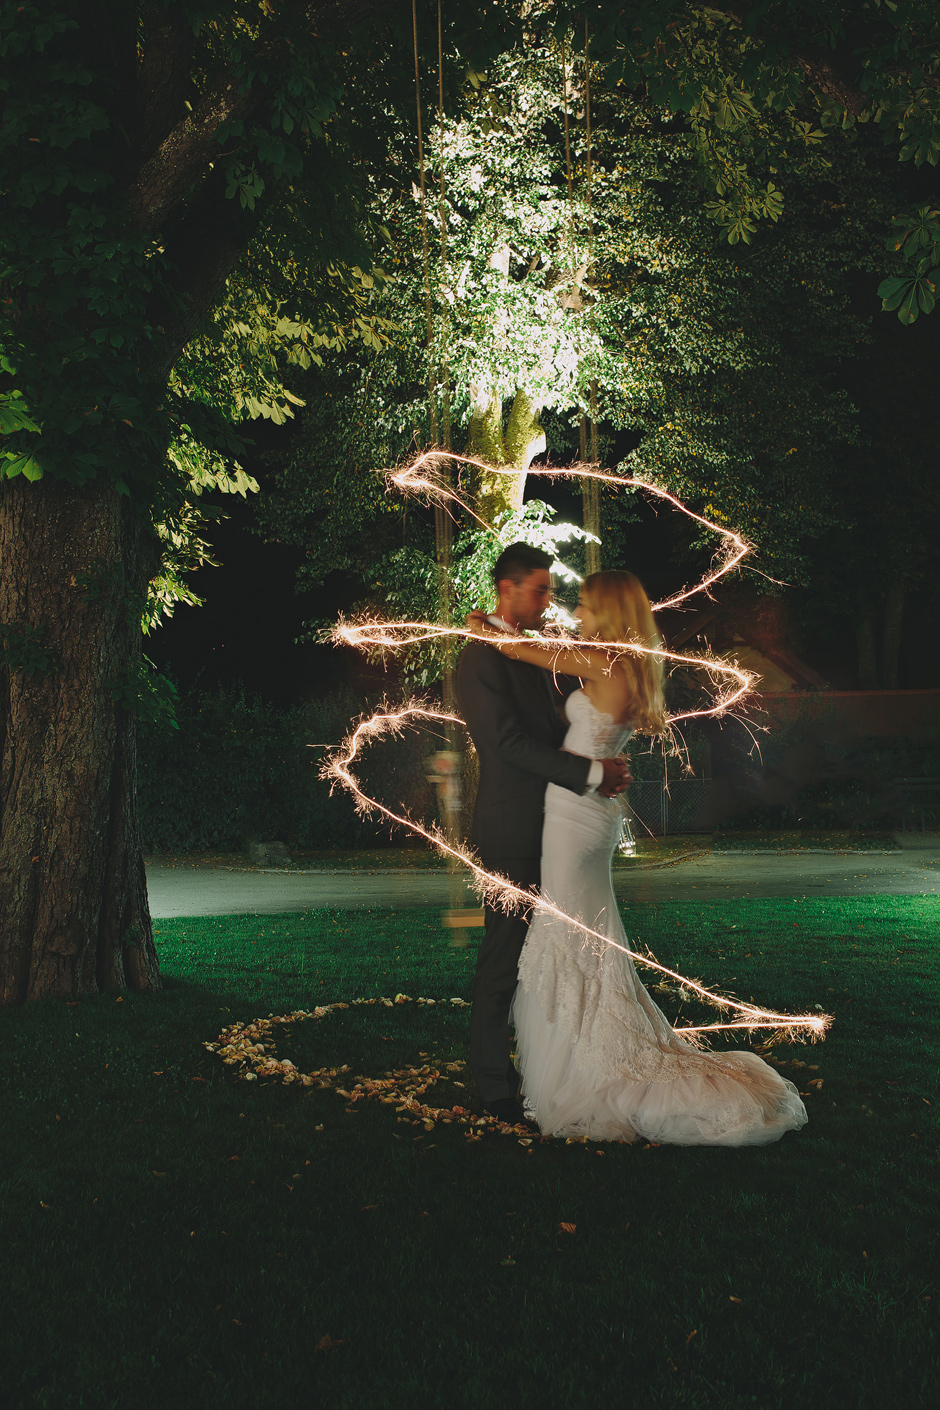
173	1237
803	839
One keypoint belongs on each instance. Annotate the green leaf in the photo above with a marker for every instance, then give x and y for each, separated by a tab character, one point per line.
14	415
22	465
908	311
891	291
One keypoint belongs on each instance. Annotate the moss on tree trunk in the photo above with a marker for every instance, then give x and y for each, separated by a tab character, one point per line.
513	445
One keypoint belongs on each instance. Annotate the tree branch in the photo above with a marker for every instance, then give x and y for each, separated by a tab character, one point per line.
825	70
163	76
184	155
187	152
204	250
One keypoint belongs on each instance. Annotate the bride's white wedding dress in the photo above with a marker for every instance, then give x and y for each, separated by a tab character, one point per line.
597	1057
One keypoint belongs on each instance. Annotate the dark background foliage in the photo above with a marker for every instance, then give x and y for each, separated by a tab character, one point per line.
242	767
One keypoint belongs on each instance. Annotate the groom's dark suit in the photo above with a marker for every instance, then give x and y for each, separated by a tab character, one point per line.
510	708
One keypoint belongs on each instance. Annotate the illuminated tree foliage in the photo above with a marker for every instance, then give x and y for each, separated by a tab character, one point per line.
188	213
714	358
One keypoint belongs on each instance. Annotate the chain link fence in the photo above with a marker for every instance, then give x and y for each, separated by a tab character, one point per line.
659	808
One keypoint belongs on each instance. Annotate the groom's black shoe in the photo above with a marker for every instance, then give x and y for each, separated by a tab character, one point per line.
509	1109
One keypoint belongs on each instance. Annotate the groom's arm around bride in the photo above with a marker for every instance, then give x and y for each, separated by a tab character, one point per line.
510	708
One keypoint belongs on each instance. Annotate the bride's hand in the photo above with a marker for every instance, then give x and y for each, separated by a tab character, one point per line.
478	625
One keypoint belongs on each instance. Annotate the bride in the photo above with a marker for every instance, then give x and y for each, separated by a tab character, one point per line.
597	1057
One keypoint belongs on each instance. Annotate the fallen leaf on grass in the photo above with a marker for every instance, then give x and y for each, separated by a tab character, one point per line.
564	1228
732	1298
368	1206
159	1172
693	1333
327	1343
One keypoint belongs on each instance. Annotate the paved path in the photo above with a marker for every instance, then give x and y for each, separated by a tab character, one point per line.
176	891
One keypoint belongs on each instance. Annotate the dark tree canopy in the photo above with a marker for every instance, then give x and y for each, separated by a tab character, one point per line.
183	220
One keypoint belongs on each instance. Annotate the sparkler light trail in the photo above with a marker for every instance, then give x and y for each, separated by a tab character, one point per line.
421	477
392	636
497	890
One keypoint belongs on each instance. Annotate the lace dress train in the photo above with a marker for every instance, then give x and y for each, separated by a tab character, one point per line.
597	1057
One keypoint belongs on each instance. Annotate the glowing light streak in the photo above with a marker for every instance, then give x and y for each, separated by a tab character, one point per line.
497	890
419	477
392	636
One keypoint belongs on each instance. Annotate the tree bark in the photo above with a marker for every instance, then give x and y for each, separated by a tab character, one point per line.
514	446
164	78
524	440
187	150
73	898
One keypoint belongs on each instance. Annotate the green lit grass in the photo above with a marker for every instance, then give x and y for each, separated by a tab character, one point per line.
211	1283
803	839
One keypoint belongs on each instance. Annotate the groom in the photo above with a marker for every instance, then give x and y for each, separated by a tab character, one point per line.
511	711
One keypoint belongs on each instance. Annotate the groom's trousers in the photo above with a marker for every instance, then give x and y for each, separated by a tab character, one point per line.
495	984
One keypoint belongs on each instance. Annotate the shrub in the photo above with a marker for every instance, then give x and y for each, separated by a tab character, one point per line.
239	766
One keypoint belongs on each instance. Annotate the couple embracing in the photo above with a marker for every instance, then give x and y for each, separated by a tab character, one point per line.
597	1057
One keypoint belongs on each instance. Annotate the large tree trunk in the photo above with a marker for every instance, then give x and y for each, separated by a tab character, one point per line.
514	447
74	917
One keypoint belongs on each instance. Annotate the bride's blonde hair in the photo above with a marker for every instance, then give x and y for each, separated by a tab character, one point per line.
622	612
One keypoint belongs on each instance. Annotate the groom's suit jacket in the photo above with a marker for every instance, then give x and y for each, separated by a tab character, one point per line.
510	710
